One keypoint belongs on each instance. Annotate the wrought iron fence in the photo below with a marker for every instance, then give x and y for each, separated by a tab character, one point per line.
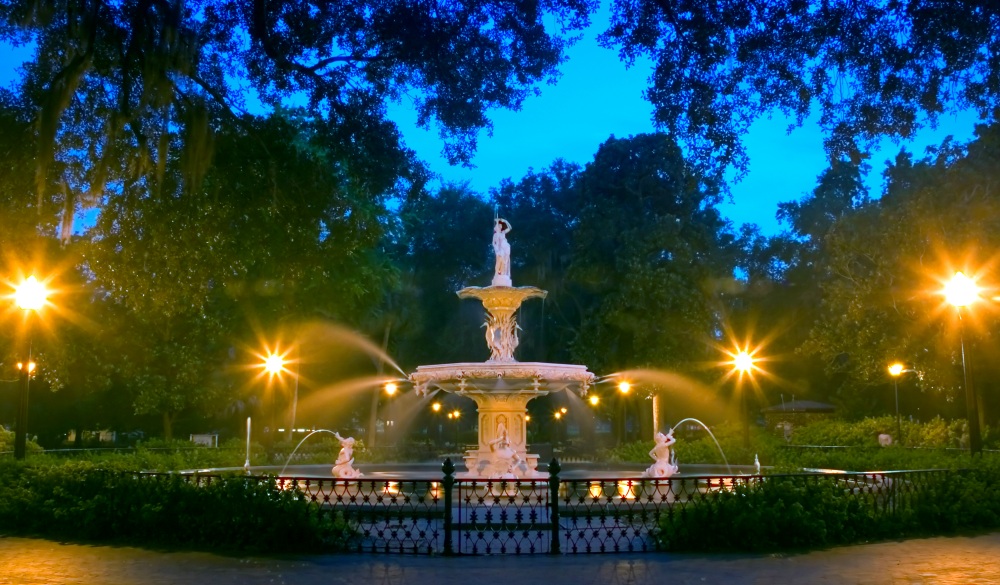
448	516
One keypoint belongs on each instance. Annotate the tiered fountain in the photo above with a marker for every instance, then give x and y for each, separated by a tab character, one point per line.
501	386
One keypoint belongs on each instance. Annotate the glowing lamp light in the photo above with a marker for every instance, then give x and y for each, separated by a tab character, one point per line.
527	417
626	490
274	363
961	291
743	361
624	387
31	366
390	388
896	369
31	295
563	410
558	415
594	399
436	407
456	413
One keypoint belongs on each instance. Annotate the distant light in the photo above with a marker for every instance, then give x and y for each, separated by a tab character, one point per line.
961	291
31	295
527	417
390	388
31	366
743	361
594	399
436	407
274	363
896	369
558	415
563	410
457	413
624	387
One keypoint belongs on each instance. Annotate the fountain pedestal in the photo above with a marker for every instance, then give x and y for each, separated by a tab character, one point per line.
501	392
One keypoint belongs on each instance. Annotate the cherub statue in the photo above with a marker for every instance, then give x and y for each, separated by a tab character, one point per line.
505	458
343	467
662	465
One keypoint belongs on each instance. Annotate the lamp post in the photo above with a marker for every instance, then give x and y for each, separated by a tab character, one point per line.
390	390
624	387
436	409
274	364
30	296
743	364
455	415
896	370
961	291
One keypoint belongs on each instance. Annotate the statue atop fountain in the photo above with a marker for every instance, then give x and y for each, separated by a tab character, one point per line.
664	462
343	467
501	248
501	386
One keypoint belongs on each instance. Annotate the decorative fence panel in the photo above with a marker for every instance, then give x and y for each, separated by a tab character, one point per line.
551	516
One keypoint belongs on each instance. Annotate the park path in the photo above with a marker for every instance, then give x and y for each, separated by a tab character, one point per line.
959	560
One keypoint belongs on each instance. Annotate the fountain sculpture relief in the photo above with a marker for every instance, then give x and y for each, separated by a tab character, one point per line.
502	386
343	467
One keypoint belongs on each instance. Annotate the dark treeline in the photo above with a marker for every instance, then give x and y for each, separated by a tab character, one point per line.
212	234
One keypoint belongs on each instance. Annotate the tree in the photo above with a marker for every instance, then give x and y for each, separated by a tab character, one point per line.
886	262
872	68
440	251
281	228
111	82
649	249
543	208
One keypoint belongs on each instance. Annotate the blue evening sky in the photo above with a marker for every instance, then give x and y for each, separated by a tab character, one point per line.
597	97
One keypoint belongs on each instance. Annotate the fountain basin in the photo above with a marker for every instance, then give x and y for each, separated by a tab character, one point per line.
534	378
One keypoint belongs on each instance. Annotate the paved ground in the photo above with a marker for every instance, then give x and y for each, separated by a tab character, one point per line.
950	560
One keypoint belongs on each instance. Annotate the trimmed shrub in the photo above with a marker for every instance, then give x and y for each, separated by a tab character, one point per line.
79	502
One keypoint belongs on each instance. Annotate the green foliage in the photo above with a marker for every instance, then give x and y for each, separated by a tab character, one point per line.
80	501
795	512
648	249
778	513
871	68
7	442
933	434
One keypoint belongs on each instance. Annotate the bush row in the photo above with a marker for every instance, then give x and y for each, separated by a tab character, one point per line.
796	512
78	501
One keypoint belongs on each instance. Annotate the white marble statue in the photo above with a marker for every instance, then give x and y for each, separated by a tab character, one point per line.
343	467
662	465
501	248
504	458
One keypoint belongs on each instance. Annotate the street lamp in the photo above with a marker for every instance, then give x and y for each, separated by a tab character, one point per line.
743	363
455	415
274	365
30	296
390	390
436	408
896	370
624	387
961	291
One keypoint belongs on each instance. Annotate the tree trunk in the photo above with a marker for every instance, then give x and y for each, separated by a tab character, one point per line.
373	415
168	426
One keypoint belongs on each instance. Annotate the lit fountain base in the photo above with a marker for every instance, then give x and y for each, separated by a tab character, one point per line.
502	391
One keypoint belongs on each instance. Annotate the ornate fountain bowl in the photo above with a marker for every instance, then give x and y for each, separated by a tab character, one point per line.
534	378
501	391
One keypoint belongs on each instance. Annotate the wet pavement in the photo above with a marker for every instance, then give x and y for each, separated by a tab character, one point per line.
965	560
